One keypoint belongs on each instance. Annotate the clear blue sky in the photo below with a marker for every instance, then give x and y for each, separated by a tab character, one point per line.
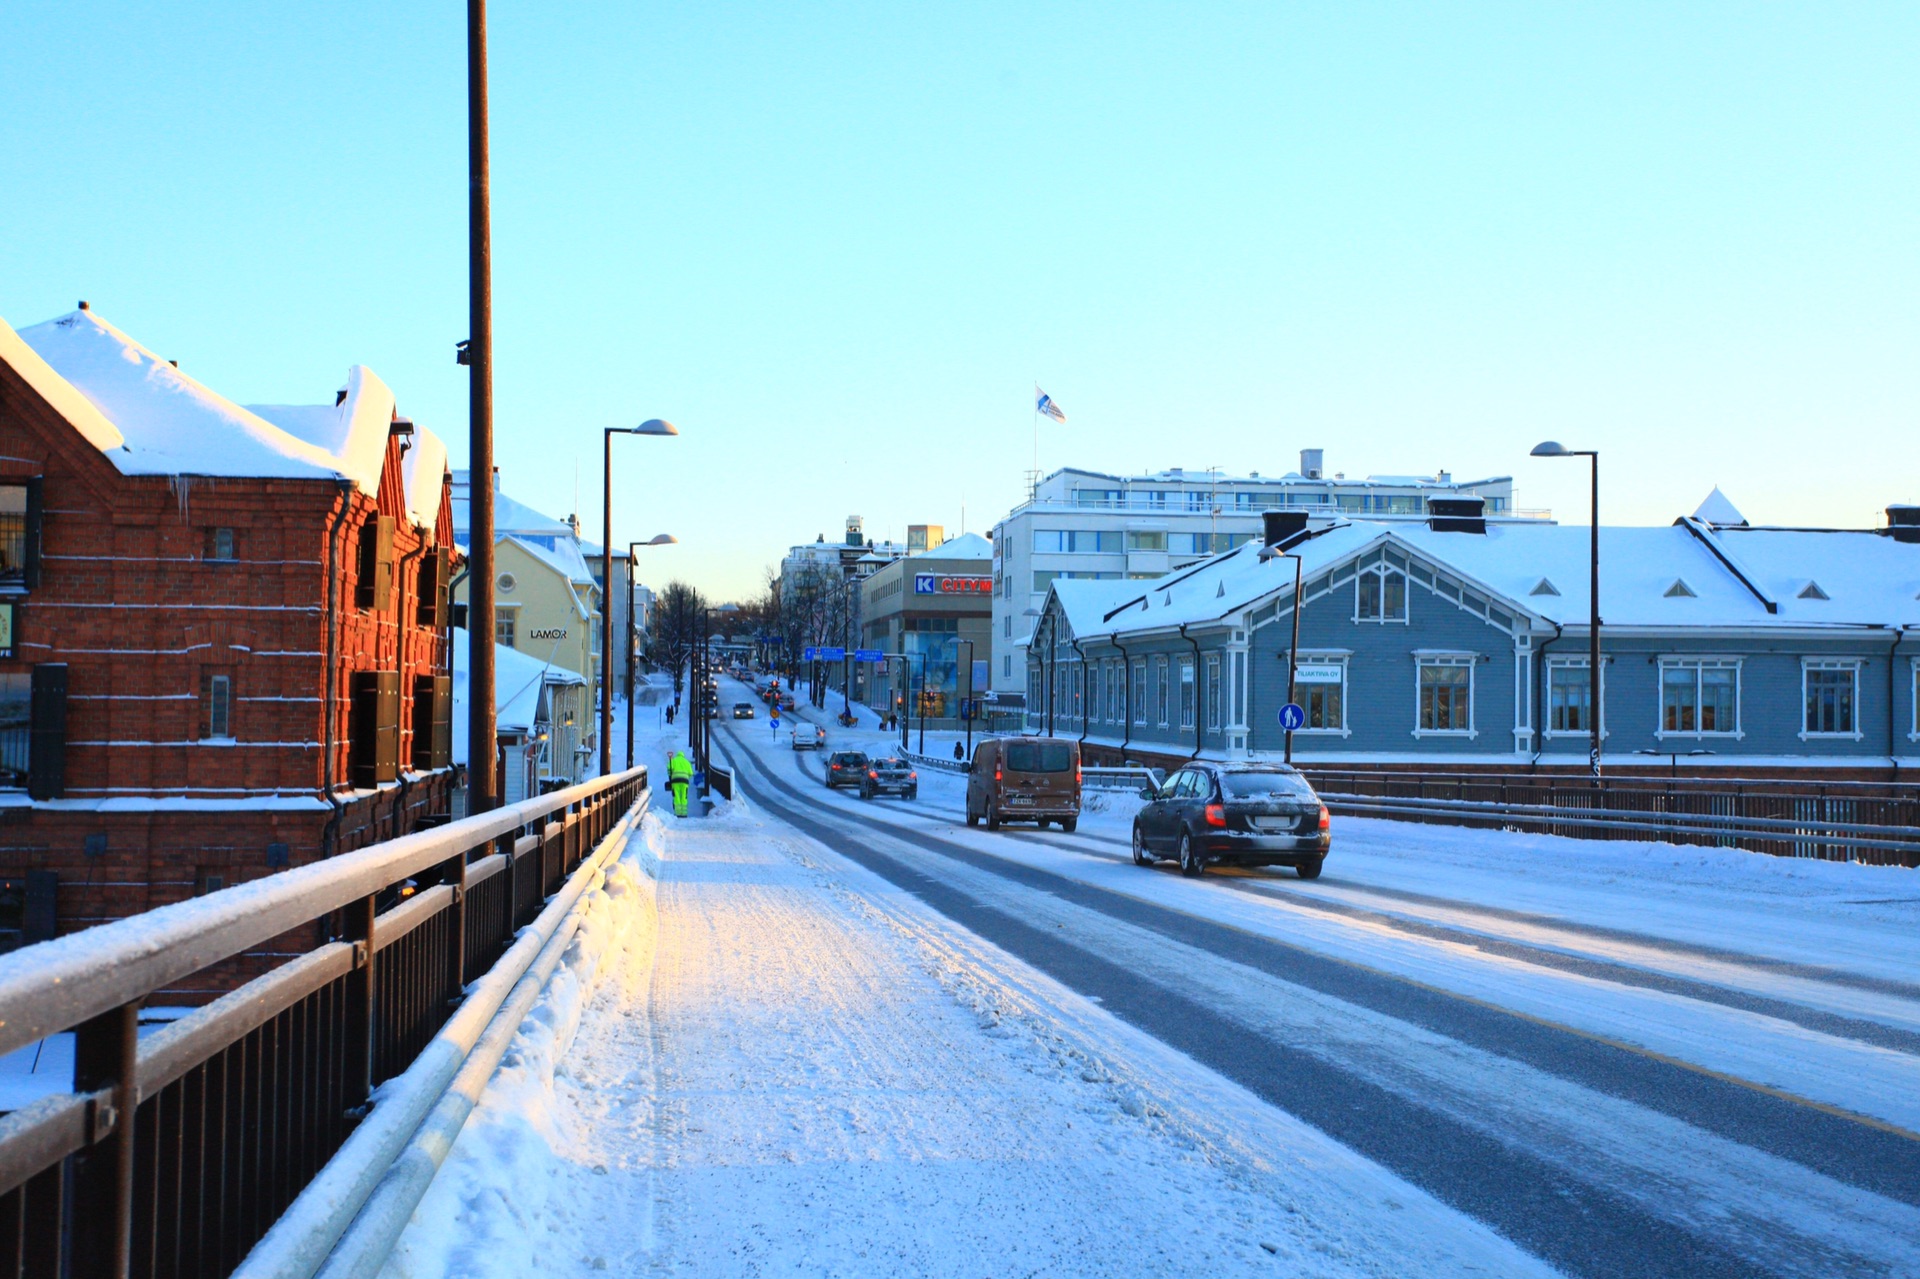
838	243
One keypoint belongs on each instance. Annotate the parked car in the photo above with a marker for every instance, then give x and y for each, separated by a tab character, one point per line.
890	775
1236	815
743	710
846	768
1024	779
809	737
786	702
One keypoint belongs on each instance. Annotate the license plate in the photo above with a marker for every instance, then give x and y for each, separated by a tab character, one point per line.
1018	799
1274	823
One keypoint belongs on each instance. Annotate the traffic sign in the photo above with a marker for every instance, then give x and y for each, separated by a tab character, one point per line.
807	653
1292	716
831	654
868	655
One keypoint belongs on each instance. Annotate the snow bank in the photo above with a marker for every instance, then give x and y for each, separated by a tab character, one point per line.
510	1184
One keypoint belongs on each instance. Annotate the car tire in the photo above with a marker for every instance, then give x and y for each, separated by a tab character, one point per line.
1141	857
1310	869
913	794
973	818
866	793
1068	824
1189	861
993	816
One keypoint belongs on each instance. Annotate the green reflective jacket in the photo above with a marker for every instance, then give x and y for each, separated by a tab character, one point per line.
679	769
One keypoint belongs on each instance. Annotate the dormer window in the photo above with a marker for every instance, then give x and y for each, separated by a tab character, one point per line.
1679	590
1544	587
1380	595
1812	591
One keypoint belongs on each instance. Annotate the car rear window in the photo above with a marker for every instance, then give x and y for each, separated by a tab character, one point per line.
849	757
890	764
1263	785
1039	757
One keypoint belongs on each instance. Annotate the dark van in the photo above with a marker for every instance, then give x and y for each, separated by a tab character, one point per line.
1024	779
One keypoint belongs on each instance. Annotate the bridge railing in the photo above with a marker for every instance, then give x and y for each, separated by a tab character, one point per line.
174	1153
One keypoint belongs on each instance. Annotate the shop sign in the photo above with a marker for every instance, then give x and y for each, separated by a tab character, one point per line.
939	584
6	628
1317	673
548	633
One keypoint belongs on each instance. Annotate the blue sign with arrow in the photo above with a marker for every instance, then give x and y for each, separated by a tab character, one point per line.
868	655
1292	716
830	654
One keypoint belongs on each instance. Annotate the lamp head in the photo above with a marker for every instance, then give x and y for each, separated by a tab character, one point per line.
654	426
1550	448
662	539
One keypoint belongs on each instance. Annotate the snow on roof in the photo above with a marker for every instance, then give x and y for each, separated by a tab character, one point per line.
355	430
517	679
1717	509
57	391
967	546
1866	579
169	423
509	516
564	558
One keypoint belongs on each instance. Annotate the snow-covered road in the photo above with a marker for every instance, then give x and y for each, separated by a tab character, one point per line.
872	1041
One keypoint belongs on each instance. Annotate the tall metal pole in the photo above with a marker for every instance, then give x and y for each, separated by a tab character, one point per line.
1293	652
606	602
1593	628
632	653
966	703
481	736
923	701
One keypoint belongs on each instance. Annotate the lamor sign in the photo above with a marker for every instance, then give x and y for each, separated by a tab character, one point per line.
547	633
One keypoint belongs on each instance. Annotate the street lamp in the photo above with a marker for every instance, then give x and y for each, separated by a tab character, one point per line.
966	703
652	426
633	655
1553	448
1293	649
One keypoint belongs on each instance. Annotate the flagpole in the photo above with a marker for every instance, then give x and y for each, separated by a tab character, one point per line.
1033	481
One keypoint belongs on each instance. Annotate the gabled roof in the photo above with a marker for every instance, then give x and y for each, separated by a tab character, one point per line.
1732	576
1716	509
149	418
967	546
509	516
564	558
517	682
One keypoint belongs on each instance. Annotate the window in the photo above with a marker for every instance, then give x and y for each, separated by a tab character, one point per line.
374	590
1380	595
1096	497
1160	691
1569	697
221	544
1006	666
1138	541
218	697
16	727
1074	541
503	627
1007	626
1213	692
373	728
1699	697
1139	677
1321	689
1197	501
1446	695
1186	692
19	534
432	722
1831	698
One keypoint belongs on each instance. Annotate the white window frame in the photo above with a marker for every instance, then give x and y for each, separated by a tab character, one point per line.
1307	658
1189	706
1467	661
1383	571
1215	702
1600	708
1913	697
1736	665
1140	702
1852	664
1163	695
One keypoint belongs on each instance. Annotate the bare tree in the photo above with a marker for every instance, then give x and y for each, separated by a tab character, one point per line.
677	629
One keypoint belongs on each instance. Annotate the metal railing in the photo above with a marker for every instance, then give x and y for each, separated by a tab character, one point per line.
1837	821
173	1154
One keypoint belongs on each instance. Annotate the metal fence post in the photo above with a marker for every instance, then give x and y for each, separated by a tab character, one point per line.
105	1056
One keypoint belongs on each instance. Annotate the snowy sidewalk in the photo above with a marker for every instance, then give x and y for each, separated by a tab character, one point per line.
812	1074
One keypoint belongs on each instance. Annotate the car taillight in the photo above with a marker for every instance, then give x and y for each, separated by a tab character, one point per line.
1079	777
1326	818
836	768
913	777
996	774
872	774
1216	814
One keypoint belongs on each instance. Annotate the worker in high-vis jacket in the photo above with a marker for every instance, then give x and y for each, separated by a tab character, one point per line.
679	781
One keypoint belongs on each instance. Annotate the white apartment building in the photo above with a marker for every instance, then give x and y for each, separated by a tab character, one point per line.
1089	524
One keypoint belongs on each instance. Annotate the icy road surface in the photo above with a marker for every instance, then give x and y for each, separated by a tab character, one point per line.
870	1041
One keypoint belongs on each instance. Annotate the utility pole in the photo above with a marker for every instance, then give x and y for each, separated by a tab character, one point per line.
481	736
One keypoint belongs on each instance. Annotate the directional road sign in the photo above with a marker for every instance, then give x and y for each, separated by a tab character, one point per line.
1292	716
830	654
868	655
808	653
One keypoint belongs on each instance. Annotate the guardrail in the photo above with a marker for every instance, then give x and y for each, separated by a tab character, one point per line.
1841	821
174	1154
1114	777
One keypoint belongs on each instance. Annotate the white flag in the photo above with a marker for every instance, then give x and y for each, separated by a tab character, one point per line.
1046	405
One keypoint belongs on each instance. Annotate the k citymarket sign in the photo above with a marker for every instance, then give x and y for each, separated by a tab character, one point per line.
936	584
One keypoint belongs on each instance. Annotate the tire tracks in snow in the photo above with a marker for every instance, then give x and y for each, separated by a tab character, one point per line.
1531	1197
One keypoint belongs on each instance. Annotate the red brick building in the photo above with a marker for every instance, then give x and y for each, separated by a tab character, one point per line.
223	644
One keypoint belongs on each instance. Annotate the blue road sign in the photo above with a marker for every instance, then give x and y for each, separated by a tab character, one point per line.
831	654
868	655
1292	716
807	653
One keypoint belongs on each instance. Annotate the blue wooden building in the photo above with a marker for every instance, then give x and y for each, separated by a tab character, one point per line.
1465	642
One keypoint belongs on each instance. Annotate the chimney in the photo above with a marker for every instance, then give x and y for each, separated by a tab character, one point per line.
84	306
1903	523
1312	463
496	479
1457	514
339	397
1281	525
